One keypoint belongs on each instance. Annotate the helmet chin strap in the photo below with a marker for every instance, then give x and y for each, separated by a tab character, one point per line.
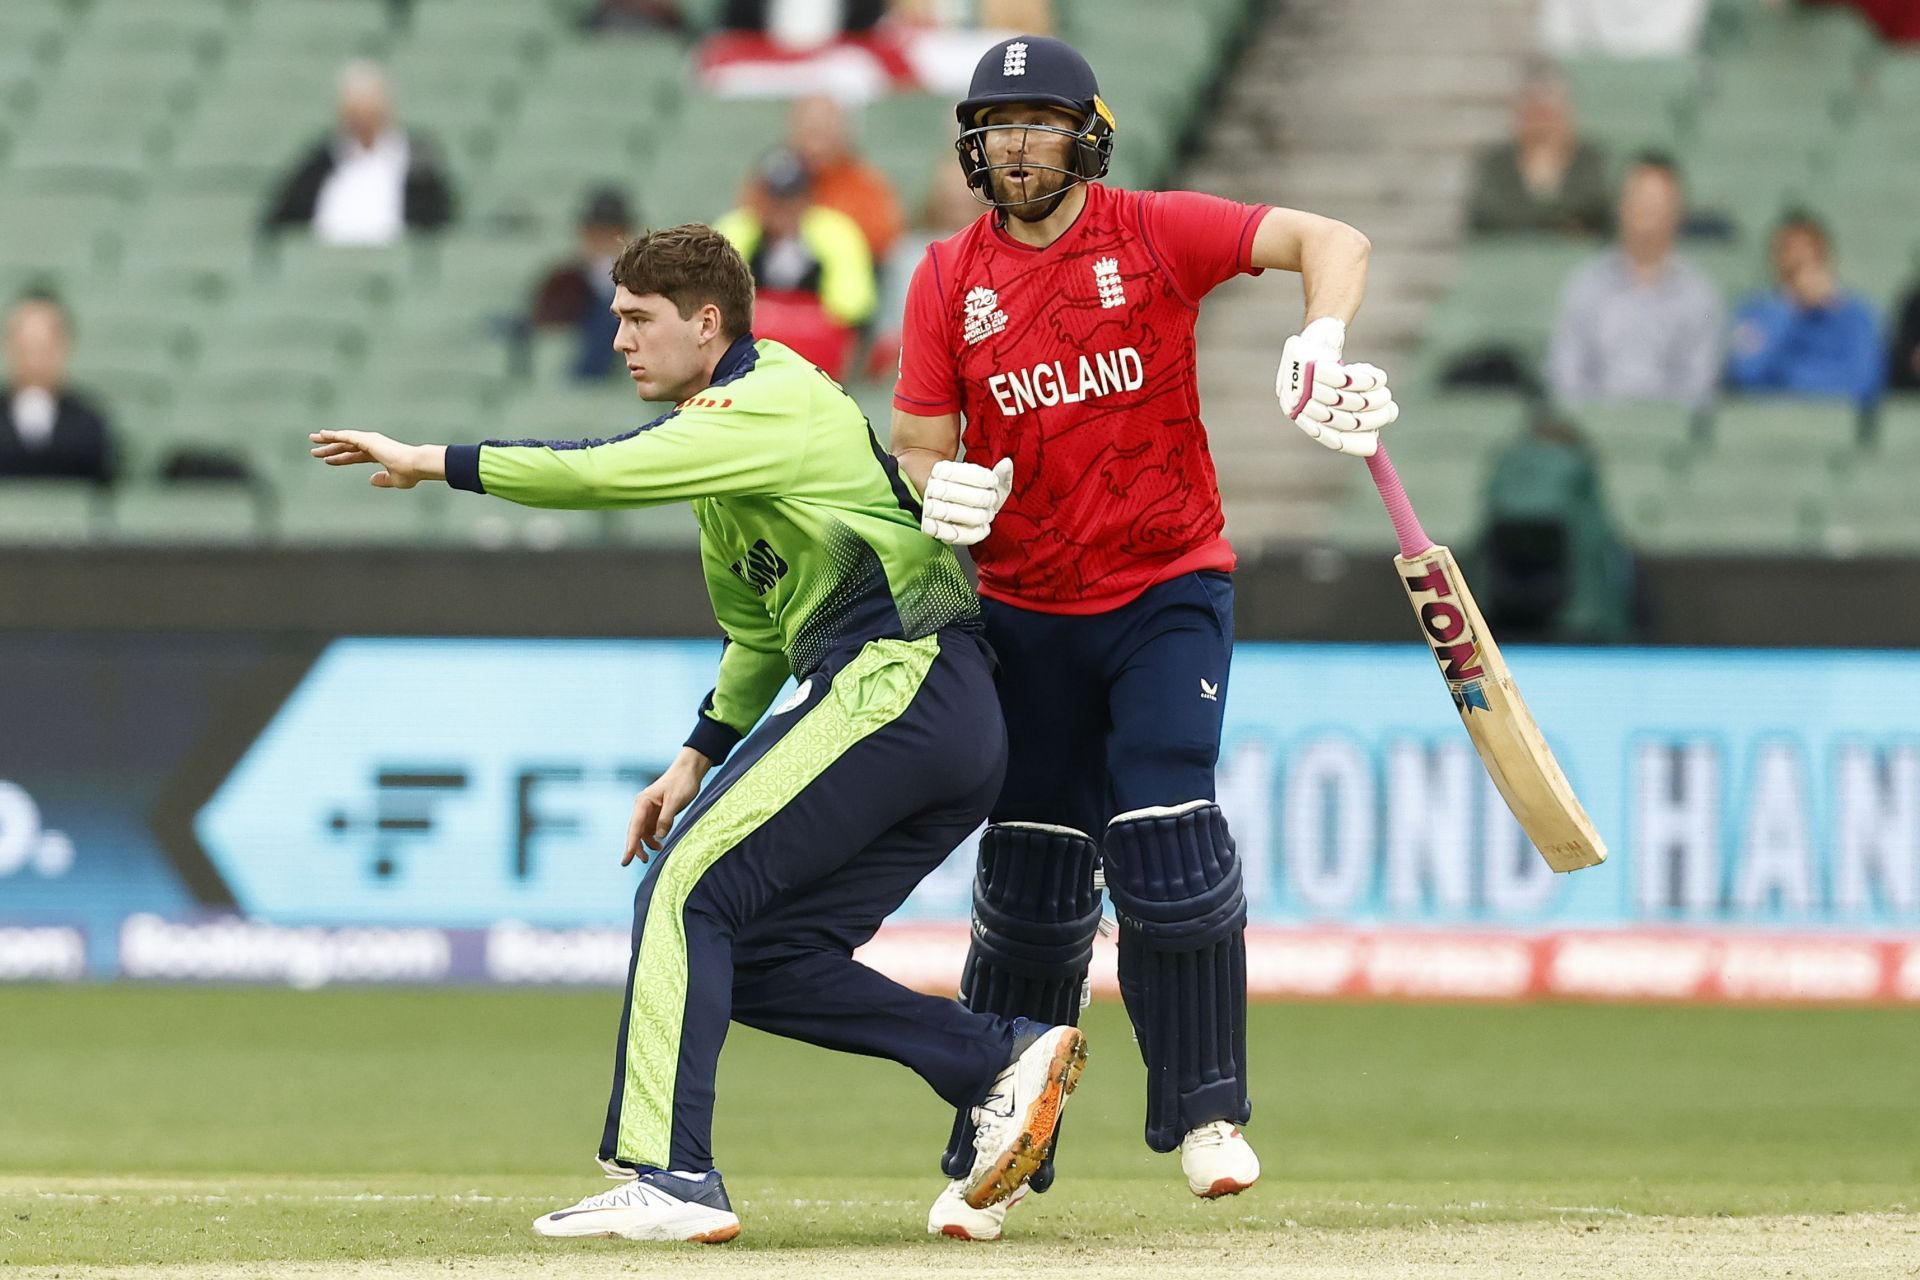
1040	210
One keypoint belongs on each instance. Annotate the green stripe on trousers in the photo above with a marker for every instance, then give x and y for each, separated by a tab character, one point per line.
867	694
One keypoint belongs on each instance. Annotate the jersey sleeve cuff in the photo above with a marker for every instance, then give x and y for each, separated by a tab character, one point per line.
924	408
463	468
1244	256
713	739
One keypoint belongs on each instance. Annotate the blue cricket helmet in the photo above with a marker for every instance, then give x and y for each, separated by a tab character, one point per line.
1035	69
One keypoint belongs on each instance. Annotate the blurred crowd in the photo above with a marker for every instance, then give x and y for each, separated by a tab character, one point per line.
1640	322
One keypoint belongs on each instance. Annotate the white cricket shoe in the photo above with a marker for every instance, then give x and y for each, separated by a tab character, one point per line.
1218	1161
1013	1128
653	1206
951	1215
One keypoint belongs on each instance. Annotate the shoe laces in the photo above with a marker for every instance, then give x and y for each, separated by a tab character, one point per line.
1216	1133
993	1112
627	1195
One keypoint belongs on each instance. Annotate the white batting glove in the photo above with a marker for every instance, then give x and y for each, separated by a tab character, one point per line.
1341	406
962	499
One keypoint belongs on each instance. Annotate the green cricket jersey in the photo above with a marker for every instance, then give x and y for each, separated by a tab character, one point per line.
809	535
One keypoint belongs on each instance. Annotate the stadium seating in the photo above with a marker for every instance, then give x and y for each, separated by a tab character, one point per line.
139	143
1784	107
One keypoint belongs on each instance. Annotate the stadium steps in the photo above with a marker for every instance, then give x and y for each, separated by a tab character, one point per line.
1384	145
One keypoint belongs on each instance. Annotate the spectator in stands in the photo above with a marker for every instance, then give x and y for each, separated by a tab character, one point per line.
1639	322
800	23
1621	28
817	132
45	429
1898	20
948	207
1807	336
633	16
577	294
1546	178
371	182
944	39
1550	565
802	249
1904	373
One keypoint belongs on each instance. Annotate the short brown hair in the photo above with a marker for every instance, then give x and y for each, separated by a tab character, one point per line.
690	266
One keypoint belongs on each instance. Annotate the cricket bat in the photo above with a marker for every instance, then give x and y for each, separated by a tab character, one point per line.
1497	720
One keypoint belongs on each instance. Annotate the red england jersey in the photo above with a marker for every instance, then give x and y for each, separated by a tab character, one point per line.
1077	361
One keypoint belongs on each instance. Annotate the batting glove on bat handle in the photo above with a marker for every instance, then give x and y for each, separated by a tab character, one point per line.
962	499
1339	406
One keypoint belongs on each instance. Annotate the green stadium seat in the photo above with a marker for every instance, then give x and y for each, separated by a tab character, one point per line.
696	174
1447	492
1874	512
49	513
467	27
1742	510
1898	434
1640	494
1507	291
317	505
183	234
1662	435
1801	431
337	29
497	525
303	269
292	336
56	232
574	412
1449	429
143	23
455	401
187	514
477	274
1629	104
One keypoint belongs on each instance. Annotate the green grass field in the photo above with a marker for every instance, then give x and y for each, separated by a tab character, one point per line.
246	1132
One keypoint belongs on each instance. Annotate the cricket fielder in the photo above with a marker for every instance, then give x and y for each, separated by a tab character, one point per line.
1059	328
823	819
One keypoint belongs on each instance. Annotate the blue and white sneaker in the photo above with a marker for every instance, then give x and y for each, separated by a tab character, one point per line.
654	1205
1014	1125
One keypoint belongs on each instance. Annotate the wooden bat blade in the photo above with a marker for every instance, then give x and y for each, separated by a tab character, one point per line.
1503	731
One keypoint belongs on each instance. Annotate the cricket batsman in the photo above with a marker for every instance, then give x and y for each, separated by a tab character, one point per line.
1054	339
821	820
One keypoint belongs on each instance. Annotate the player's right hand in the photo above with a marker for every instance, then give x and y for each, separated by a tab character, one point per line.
1340	406
962	499
402	465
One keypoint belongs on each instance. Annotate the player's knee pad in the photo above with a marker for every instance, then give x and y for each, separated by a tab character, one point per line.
1035	912
1175	881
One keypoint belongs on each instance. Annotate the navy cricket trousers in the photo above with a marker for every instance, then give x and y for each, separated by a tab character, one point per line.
1111	712
817	828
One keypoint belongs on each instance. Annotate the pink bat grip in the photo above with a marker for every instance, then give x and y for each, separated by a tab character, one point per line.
1406	525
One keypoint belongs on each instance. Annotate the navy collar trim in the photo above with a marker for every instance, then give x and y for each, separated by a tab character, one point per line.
737	362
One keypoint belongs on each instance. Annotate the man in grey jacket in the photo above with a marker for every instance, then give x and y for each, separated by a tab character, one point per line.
1639	322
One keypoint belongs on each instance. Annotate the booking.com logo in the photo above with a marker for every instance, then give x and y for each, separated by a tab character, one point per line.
26	845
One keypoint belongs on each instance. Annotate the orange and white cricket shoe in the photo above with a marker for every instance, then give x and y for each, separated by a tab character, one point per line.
1218	1161
655	1206
1013	1128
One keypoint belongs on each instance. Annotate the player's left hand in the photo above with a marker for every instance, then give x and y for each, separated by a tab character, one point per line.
405	465
655	808
962	499
1340	406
